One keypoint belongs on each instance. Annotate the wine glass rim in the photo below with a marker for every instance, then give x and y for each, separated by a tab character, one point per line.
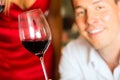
26	13
37	9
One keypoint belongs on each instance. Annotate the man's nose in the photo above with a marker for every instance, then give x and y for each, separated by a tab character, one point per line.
91	17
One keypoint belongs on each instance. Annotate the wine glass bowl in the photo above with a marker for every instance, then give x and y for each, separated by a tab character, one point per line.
35	33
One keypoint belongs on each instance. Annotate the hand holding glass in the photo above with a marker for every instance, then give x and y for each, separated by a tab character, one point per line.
35	34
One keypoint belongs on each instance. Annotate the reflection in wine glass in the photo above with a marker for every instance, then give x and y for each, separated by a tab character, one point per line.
35	34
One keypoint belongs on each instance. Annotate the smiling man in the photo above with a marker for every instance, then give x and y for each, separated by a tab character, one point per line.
95	55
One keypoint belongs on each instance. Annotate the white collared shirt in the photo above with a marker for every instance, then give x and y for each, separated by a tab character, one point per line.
80	61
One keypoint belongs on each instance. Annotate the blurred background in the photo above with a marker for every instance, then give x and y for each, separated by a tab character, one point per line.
70	30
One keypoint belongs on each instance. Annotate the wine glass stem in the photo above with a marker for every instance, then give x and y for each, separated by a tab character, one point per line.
43	67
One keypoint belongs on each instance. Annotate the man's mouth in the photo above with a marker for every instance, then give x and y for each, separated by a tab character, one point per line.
94	31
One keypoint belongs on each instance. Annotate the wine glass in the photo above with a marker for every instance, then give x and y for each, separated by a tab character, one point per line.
35	34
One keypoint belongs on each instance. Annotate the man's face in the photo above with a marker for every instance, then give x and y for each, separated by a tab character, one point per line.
98	21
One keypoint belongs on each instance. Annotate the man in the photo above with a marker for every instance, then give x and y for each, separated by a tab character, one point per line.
95	55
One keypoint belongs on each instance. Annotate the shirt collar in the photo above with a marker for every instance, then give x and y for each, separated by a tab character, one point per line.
98	64
93	57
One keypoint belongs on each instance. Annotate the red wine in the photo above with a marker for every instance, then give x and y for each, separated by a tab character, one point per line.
2	8
36	47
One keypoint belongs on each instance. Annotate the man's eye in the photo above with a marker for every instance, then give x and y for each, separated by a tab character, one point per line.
99	7
80	13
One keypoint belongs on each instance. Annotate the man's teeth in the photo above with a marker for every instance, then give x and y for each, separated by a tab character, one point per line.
95	31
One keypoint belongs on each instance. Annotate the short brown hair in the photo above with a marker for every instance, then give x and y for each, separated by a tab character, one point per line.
114	0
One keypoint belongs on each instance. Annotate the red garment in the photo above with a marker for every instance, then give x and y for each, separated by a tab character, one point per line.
16	63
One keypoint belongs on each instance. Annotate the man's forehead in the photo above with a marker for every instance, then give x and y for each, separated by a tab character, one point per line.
92	1
85	2
80	3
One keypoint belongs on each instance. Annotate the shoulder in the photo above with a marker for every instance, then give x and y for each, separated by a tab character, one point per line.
77	46
78	49
74	59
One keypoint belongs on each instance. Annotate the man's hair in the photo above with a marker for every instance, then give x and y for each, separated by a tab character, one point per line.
114	0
